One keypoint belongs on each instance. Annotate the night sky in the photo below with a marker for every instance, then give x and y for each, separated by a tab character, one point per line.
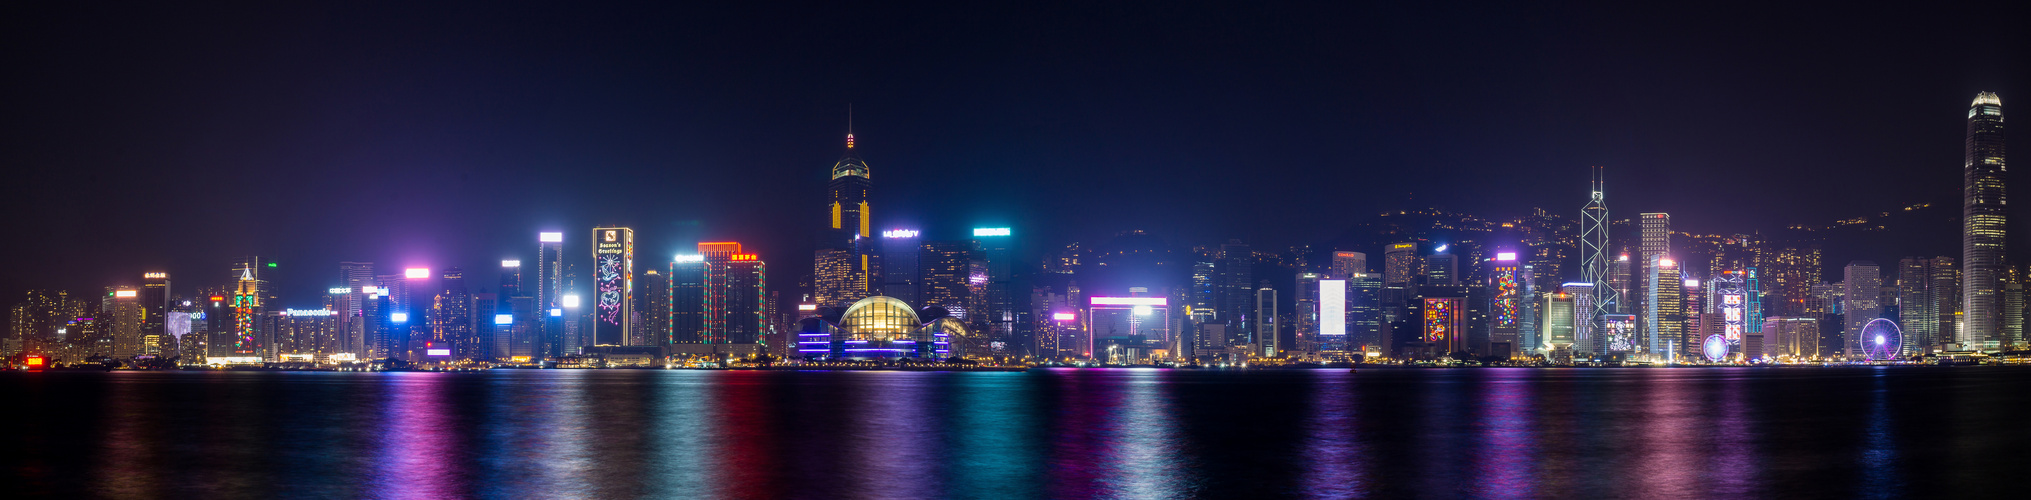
178	137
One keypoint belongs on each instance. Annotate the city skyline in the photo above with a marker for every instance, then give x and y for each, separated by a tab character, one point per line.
429	136
988	287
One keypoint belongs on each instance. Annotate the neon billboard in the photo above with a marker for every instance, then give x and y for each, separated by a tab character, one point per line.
1507	291
1130	301
1620	331
1332	307
1442	319
613	280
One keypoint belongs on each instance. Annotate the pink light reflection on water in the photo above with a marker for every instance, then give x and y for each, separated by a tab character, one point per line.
1335	461
1507	458
1670	435
1116	437
888	434
416	452
1734	462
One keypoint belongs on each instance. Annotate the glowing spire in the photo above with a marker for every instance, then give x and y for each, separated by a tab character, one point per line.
849	126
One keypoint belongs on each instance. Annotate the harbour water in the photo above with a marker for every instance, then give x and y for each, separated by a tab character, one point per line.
1046	433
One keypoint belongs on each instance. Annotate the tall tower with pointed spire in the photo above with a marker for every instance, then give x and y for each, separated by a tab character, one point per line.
1594	253
1982	227
843	261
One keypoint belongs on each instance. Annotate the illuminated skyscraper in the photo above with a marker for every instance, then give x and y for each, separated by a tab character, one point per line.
1664	310
123	304
246	313
1983	217
1860	289
613	285
451	317
1266	328
1400	270
1558	324
1594	253
154	302
1927	290
36	319
1000	304
653	311
900	249
947	268
1510	292
687	300
1347	264
844	260
1442	268
736	309
549	288
1587	337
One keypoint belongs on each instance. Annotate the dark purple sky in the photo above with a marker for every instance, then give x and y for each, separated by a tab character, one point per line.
172	137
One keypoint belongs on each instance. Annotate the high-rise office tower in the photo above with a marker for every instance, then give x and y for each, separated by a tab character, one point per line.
687	300
1653	239
1442	268
123	304
247	310
613	283
1594	252
1621	276
1926	293
900	249
1001	306
1558	324
1983	217
736	308
549	294
511	278
1586	337
1364	311
1306	317
1400	270
1664	310
1860	289
1234	289
844	260
1347	264
1509	295
155	314
653	310
36	319
1266	324
451	317
1656	235
946	268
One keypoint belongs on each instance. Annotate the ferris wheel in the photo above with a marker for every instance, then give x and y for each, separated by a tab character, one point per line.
1715	347
1881	340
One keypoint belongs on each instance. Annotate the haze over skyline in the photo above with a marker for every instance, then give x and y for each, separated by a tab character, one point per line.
179	137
